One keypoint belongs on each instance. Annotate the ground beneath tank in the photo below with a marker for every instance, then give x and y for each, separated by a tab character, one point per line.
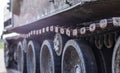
2	64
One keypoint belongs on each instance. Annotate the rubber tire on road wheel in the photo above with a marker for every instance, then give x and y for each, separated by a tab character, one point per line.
20	57
49	61
33	57
6	54
116	58
78	58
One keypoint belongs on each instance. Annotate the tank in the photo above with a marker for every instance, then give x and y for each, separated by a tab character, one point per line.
63	36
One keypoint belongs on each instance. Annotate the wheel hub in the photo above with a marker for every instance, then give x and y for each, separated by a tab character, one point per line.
77	69
58	44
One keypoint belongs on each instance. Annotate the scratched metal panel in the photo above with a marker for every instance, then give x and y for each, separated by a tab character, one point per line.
70	15
32	10
27	11
84	10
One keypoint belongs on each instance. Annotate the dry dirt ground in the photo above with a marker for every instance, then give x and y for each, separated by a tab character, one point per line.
2	64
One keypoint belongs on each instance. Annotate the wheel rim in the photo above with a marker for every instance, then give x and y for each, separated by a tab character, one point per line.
46	59
72	61
116	58
77	69
31	61
20	58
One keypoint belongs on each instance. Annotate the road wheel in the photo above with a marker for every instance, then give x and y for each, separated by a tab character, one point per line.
6	54
116	58
49	61
20	57
32	57
78	58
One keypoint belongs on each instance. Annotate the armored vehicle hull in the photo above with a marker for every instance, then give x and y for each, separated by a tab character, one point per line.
63	36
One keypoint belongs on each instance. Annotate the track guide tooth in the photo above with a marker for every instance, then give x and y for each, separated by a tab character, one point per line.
43	30
37	32
62	30
108	40
75	32
82	30
29	34
103	23
51	28
56	29
99	42
92	27
40	31
116	21
34	32
68	32
47	29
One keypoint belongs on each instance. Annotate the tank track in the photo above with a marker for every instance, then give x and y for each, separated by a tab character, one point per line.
81	30
105	31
